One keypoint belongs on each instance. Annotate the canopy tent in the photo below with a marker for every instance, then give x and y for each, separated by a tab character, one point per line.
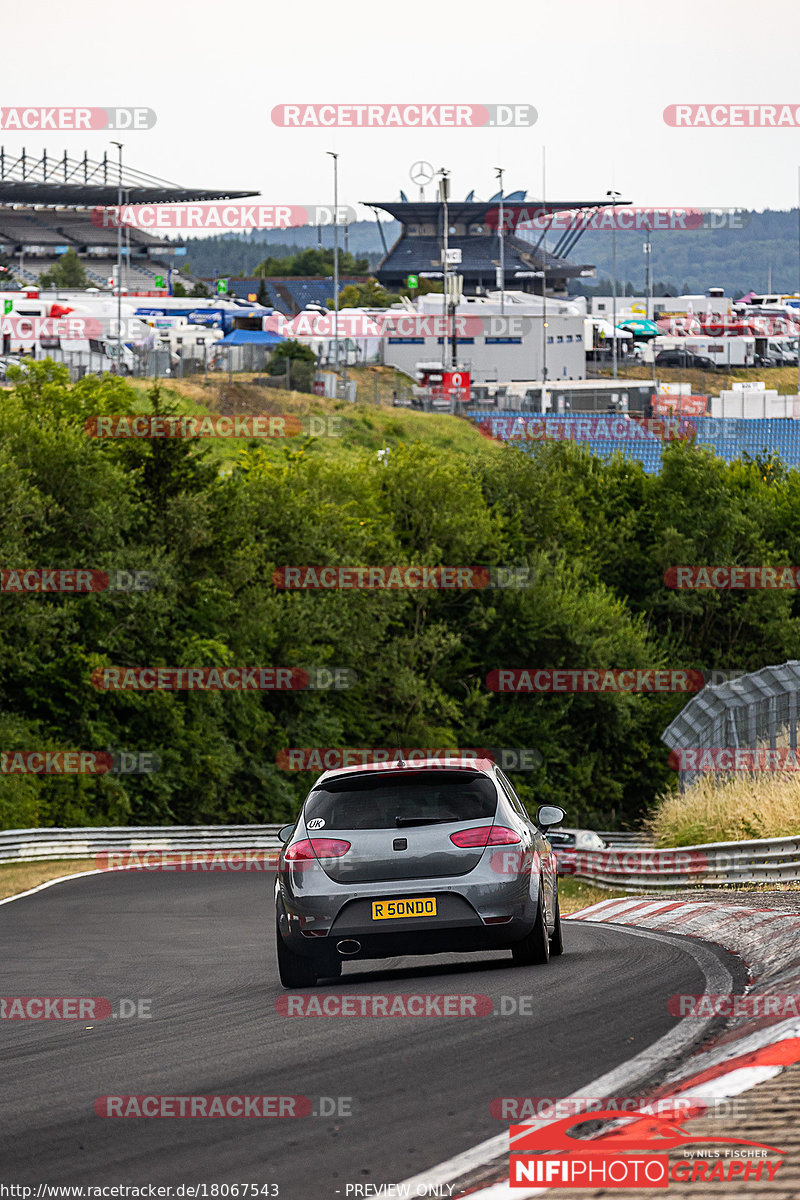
639	326
250	337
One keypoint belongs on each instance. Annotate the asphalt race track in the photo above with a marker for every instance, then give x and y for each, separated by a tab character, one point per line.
200	948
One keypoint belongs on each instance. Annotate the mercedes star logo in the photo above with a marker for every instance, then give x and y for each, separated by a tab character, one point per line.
421	172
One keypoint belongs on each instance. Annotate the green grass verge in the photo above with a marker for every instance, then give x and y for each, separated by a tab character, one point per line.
343	431
20	877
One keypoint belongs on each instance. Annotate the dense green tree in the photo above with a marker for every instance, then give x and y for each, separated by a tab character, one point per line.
596	538
67	272
365	295
313	262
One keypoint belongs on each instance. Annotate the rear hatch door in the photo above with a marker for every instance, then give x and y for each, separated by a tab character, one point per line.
398	822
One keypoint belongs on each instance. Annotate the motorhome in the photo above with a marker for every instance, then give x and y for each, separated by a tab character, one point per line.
723	351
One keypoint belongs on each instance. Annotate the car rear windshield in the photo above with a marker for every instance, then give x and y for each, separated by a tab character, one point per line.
376	801
561	839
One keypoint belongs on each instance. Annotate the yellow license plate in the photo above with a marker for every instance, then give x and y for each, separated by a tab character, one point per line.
384	910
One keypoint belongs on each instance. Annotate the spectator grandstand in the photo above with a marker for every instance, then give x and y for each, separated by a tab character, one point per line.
35	238
729	437
46	209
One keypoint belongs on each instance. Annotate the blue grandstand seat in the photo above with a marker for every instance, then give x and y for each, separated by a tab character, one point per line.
729	437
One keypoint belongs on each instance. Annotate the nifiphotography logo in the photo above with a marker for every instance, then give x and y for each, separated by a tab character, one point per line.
632	1153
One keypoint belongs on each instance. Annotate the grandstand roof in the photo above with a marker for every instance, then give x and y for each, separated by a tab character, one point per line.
475	211
43	180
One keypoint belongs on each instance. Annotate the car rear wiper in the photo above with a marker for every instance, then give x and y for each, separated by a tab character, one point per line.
401	821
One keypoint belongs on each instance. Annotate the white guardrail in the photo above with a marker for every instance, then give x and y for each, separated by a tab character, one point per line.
31	845
624	838
626	866
637	868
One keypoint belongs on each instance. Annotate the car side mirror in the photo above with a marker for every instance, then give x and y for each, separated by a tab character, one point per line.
285	832
549	814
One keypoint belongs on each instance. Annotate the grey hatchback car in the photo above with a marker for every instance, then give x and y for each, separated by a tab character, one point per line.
414	858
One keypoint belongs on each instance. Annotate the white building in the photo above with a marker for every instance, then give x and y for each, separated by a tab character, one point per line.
517	344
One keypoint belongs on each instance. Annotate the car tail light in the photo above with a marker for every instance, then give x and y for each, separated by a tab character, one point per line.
310	848
484	835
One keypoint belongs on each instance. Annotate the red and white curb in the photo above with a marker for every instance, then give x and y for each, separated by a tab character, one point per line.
751	1051
753	1048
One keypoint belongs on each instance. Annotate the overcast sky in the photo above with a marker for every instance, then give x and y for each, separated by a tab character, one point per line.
599	76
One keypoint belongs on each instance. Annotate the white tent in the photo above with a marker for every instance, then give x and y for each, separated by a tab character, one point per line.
605	327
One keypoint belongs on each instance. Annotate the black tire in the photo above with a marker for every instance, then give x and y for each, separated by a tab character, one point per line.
534	949
329	968
557	937
294	970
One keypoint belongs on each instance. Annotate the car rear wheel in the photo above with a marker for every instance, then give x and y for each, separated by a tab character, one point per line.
294	970
535	946
556	938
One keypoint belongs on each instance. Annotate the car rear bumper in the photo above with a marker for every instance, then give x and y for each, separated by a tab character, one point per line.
457	926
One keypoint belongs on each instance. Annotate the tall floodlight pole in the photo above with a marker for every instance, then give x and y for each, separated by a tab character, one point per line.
649	274
127	244
499	175
798	258
613	196
444	190
119	259
335	158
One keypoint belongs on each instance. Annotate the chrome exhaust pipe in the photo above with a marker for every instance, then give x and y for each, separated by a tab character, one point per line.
348	946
